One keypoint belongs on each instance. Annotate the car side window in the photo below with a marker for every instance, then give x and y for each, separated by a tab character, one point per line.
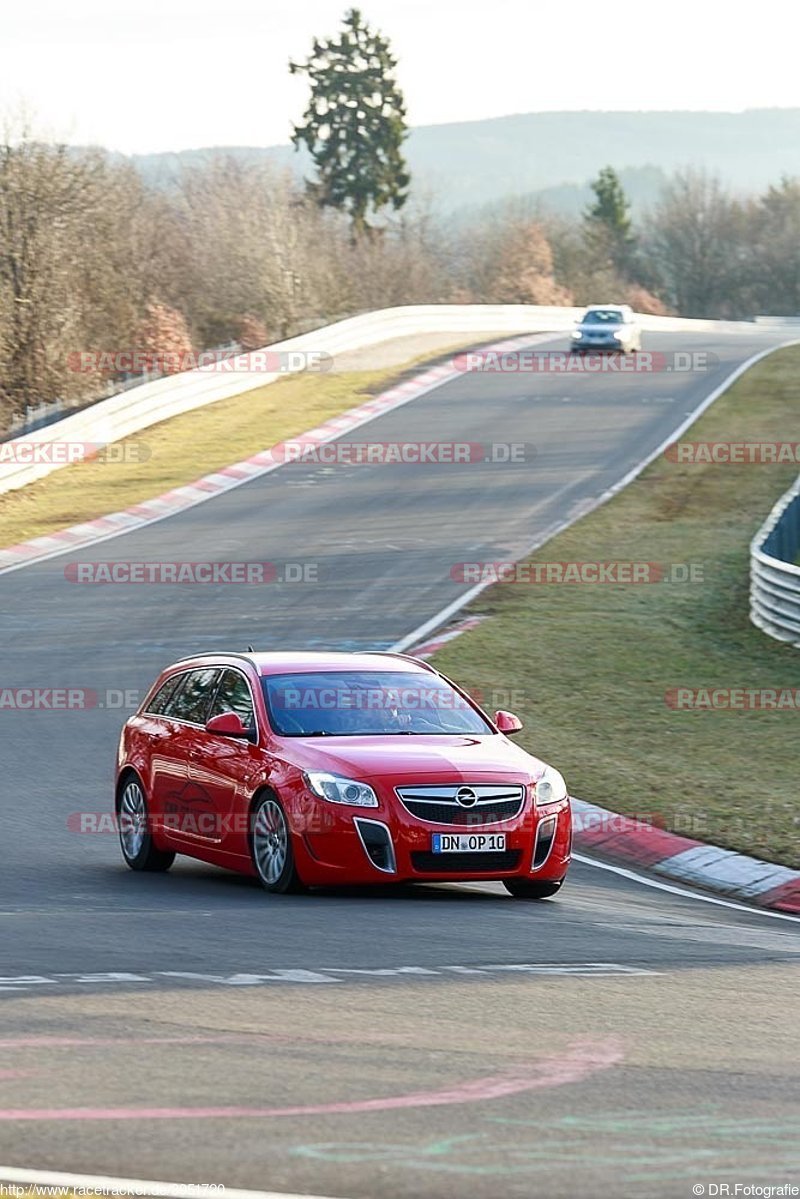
233	695
158	704
193	700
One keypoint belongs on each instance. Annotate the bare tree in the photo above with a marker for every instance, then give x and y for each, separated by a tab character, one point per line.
509	260
44	194
775	258
72	238
696	242
246	226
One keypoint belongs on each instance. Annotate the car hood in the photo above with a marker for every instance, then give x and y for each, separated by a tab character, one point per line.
456	758
593	328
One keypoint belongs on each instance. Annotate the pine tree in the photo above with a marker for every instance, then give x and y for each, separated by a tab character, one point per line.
608	225
354	125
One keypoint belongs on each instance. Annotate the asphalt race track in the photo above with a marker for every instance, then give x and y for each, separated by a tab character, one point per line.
426	1042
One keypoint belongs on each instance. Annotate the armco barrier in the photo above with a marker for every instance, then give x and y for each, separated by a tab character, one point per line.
774	577
130	412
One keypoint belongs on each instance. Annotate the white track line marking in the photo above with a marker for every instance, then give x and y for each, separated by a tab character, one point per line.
651	882
133	1186
429	626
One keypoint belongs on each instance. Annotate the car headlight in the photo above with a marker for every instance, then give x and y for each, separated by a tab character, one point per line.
576	335
339	790
550	787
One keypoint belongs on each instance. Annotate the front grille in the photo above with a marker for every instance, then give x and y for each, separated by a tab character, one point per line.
476	817
440	805
464	863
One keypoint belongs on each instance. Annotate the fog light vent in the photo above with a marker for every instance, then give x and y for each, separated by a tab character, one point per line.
377	842
545	835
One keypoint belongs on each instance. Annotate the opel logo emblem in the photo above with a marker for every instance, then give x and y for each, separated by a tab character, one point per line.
466	797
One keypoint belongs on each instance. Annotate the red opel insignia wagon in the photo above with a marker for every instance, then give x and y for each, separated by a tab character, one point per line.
312	769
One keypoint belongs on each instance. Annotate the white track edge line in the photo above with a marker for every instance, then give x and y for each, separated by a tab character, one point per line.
652	882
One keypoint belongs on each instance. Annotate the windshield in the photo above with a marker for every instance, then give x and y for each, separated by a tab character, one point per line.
355	703
603	316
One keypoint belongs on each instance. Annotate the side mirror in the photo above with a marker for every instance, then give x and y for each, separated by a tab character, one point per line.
507	722
227	724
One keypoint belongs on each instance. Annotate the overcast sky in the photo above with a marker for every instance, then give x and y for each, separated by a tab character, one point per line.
144	75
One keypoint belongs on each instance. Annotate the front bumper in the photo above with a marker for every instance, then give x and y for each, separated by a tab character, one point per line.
386	844
597	343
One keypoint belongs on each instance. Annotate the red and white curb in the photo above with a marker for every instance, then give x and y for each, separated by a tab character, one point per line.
633	841
178	500
426	649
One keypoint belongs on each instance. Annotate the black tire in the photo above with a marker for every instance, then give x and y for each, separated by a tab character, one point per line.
523	888
271	847
135	838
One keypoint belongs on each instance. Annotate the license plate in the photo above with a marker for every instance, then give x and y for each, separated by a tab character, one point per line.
468	842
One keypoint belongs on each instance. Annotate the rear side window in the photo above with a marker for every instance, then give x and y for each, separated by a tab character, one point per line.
233	695
160	701
192	701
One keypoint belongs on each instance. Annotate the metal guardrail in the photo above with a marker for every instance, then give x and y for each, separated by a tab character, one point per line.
774	577
39	416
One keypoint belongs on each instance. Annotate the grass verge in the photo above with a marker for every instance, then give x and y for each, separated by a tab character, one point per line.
590	664
180	450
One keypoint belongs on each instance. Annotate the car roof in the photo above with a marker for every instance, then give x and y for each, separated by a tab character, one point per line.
305	661
602	307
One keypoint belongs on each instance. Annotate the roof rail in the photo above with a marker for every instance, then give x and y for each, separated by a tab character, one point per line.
248	657
393	653
214	653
